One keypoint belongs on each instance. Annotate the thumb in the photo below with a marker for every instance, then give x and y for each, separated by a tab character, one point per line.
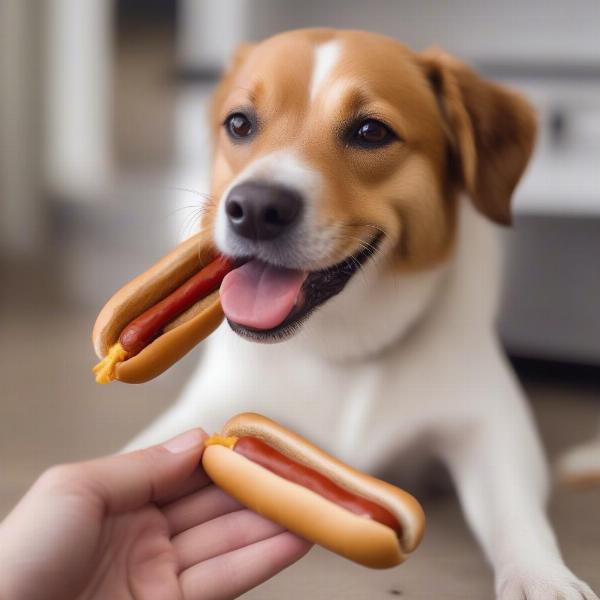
128	481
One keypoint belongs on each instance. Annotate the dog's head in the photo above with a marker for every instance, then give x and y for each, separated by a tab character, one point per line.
336	148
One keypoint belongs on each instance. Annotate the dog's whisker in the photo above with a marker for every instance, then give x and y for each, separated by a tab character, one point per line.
377	228
367	247
190	223
380	232
204	195
193	207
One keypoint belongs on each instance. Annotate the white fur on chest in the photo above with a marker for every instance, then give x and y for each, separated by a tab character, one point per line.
371	367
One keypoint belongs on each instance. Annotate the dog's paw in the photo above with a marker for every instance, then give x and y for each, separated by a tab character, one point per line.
553	582
580	466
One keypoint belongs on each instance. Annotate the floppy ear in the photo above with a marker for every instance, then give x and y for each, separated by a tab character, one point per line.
491	131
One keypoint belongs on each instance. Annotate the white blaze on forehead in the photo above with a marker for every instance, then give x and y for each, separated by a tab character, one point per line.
283	167
326	56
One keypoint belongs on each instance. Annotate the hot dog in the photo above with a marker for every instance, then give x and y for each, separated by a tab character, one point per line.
161	315
282	476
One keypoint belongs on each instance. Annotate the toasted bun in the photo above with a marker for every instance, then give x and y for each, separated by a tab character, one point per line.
146	290
306	513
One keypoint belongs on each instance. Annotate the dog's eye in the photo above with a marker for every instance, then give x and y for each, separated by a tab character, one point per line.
372	134
239	126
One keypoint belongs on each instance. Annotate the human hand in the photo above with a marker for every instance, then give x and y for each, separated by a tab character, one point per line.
144	525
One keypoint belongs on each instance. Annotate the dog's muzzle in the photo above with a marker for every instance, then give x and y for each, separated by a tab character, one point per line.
271	293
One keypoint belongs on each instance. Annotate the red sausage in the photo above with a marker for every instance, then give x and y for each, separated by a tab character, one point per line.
145	328
264	455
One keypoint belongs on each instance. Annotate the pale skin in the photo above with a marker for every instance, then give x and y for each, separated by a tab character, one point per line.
143	525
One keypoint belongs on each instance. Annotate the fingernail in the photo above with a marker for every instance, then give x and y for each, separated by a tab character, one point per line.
184	442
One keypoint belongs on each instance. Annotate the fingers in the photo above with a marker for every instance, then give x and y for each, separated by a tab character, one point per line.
208	503
196	481
127	481
221	535
234	573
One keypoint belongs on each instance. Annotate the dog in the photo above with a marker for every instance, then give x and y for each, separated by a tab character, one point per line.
363	183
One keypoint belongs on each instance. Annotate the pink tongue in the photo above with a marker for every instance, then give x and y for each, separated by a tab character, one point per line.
260	296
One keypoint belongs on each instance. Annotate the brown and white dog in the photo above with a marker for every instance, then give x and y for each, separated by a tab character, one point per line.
361	180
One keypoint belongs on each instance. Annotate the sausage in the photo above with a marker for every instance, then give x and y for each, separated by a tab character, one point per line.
262	454
145	328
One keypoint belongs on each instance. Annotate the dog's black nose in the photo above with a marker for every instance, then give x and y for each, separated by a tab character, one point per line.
262	211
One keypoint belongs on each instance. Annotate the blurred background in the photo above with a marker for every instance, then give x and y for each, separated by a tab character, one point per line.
103	154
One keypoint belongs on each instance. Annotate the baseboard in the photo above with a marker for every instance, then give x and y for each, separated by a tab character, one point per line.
574	373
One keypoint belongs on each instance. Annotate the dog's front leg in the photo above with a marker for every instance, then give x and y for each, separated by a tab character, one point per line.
496	460
203	403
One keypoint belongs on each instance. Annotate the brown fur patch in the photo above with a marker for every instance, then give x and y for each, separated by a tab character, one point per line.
491	128
447	119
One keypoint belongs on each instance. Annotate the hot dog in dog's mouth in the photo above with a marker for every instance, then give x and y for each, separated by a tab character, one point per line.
160	324
161	315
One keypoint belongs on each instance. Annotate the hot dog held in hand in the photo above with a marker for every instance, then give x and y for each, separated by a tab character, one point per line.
285	478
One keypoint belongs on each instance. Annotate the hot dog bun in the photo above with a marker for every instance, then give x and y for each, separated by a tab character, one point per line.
167	349
145	291
305	512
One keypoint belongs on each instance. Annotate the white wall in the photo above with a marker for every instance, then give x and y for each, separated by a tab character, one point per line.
209	31
553	30
21	209
78	111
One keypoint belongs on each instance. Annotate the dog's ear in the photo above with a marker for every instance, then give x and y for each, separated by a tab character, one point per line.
491	131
